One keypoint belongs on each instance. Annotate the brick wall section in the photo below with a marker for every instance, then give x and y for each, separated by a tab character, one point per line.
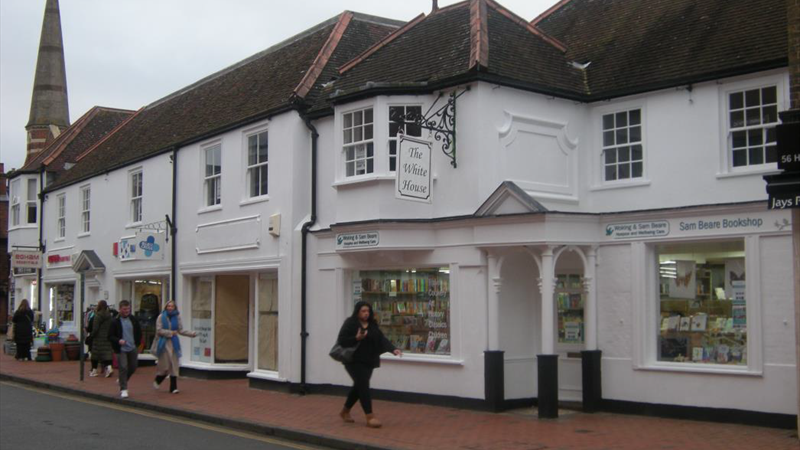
793	16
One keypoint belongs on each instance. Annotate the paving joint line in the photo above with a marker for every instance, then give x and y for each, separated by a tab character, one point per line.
289	434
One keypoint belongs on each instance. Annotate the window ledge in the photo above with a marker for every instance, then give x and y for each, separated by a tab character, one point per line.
362	179
83	235
620	185
209	209
423	359
250	201
266	375
59	240
702	369
760	171
23	227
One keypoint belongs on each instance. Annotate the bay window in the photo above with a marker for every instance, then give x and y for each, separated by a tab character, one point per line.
359	148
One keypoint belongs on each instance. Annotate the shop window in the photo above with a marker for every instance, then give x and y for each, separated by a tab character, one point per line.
569	304
62	306
202	289
623	153
15	206
397	115
147	300
136	196
258	164
752	117
359	150
62	216
31	205
412	306
212	184
267	322
220	315
702	303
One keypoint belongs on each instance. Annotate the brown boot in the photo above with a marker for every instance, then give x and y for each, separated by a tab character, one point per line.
345	415
372	422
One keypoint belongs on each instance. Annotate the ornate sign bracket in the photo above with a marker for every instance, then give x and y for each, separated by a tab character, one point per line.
441	123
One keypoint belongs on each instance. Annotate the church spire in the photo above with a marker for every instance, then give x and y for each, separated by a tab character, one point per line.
49	106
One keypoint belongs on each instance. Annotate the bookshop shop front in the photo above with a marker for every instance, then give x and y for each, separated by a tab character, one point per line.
687	307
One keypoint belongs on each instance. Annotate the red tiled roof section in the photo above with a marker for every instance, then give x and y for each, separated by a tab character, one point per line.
324	55
93	126
479	35
106	137
641	45
523	23
549	11
382	43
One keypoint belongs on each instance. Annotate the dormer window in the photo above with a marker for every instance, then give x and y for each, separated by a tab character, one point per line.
358	145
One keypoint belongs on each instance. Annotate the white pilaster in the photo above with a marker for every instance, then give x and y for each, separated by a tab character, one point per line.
590	286
494	284
547	284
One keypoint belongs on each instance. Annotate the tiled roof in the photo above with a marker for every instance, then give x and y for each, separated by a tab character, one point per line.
256	88
93	126
459	41
641	45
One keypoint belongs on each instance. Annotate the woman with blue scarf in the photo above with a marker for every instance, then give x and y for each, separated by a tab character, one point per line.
167	346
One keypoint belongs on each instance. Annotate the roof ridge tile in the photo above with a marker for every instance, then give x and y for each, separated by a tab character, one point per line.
549	11
107	136
479	35
324	55
525	24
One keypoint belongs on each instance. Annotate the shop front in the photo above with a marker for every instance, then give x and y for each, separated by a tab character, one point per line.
236	317
147	295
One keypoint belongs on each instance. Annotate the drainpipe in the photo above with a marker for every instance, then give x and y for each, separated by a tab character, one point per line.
173	230
304	261
39	287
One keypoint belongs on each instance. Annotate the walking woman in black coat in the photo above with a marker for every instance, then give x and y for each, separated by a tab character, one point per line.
23	331
361	329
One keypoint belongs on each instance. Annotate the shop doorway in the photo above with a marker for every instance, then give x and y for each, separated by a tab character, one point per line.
570	318
147	300
231	319
520	335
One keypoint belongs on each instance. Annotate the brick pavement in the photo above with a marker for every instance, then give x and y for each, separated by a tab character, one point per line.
408	426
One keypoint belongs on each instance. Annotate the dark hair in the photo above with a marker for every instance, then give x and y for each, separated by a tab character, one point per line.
124	303
24	306
358	307
102	306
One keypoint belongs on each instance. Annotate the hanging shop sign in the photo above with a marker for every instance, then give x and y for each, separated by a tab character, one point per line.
143	246
784	188
413	181
788	141
364	239
21	259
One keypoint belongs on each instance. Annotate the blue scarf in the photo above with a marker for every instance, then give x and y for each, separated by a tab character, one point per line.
169	321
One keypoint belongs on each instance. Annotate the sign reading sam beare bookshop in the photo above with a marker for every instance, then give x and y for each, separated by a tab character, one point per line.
413	170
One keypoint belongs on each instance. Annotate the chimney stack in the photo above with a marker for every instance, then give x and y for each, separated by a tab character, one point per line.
435	6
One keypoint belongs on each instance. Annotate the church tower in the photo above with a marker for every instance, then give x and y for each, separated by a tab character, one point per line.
49	106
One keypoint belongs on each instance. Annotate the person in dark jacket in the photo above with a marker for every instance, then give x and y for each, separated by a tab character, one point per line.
361	329
23	331
125	336
101	348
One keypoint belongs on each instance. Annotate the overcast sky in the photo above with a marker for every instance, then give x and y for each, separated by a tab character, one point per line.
128	53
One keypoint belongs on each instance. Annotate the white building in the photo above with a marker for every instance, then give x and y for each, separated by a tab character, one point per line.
594	206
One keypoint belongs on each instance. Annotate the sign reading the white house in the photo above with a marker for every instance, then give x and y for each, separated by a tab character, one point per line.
413	170
348	241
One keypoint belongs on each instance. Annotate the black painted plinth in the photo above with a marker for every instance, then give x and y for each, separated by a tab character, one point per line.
592	381
494	379
548	386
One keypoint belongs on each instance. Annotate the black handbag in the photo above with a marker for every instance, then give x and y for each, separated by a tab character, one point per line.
343	354
88	340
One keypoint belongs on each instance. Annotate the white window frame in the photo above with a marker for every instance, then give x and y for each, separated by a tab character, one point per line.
249	168
646	323
356	144
32	202
726	168
136	198
86	210
214	178
599	182
761	126
617	147
390	138
61	223
15	203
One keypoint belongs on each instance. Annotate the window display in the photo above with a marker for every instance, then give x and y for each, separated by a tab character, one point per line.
147	299
569	302
412	306
703	306
267	322
202	289
61	302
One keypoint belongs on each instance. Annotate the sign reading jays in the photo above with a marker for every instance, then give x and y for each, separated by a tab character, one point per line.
413	170
784	188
